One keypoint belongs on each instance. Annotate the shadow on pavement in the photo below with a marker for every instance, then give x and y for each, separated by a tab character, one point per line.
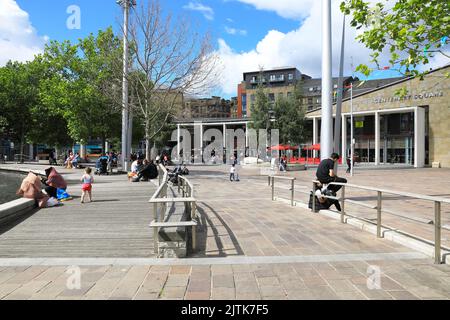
203	233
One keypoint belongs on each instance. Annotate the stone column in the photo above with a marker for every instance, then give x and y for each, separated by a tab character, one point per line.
419	137
178	141
82	151
377	138
31	152
344	140
224	135
315	134
201	143
106	146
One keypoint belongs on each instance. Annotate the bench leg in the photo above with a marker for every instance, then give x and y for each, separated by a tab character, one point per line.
155	240
194	238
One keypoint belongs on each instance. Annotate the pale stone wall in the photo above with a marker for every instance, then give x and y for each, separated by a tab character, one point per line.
433	91
275	90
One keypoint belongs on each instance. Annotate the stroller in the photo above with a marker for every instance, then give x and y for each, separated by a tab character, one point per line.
101	166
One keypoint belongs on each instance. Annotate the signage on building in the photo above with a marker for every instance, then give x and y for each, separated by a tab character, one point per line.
421	96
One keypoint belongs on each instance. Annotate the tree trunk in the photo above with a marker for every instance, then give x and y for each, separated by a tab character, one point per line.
22	143
147	140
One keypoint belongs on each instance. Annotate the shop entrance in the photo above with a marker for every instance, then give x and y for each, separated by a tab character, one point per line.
397	138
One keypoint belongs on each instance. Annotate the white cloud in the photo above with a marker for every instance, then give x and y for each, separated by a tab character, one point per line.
301	48
292	9
18	39
207	12
234	31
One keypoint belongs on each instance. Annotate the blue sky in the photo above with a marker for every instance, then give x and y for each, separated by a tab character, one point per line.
246	34
49	18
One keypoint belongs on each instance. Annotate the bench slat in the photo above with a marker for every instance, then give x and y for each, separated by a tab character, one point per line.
173	224
163	200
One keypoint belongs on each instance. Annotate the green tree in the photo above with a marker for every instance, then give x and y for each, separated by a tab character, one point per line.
412	31
79	85
290	118
289	121
18	94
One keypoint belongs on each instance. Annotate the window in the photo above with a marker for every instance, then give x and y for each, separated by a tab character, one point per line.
335	86
311	89
289	94
273	77
253	79
252	98
318	100
291	76
310	100
310	108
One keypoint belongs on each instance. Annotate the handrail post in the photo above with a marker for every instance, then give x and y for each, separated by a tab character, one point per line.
379	204
268	180
273	188
437	232
178	183
292	192
343	205
155	229
314	197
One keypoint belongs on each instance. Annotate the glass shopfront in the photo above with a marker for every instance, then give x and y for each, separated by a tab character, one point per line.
364	137
397	138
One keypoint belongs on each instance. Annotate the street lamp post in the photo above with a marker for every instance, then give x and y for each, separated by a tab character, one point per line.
126	118
326	135
352	143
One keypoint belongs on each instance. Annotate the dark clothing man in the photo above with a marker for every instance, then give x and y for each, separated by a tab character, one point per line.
325	173
149	172
323	203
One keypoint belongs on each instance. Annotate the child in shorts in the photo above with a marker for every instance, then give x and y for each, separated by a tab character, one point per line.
87	180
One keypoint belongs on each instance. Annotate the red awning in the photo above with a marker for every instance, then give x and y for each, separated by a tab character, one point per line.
283	147
312	147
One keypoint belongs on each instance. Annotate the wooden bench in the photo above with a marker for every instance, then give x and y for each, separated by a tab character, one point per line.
172	216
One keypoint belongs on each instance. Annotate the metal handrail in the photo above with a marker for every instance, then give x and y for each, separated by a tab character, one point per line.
22	156
271	180
437	209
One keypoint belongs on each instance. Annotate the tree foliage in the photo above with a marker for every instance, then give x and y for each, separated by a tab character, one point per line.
290	118
412	31
78	85
261	110
169	61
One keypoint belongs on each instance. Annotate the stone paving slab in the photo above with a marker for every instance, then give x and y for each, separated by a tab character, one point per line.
264	282
249	248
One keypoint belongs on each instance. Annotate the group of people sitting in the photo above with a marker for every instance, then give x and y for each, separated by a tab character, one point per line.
142	169
44	190
72	160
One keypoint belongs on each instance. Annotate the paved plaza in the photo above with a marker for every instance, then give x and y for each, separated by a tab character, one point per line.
249	246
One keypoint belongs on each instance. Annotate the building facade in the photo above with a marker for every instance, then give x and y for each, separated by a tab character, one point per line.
214	107
279	82
412	130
